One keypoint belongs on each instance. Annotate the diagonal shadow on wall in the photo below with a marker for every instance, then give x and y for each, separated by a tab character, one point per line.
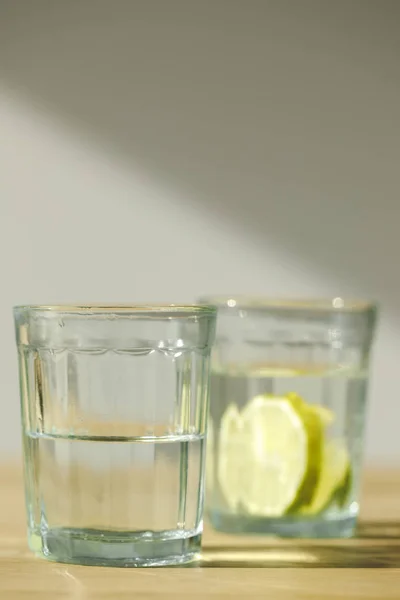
279	117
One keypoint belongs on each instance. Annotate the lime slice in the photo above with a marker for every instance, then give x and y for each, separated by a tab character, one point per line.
230	457
343	492
282	442
333	476
327	416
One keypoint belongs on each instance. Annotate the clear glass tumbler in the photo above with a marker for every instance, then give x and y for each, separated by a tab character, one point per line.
114	409
288	403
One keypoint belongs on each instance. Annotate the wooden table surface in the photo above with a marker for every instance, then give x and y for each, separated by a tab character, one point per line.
238	567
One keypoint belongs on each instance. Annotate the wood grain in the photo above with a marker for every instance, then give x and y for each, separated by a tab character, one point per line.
239	567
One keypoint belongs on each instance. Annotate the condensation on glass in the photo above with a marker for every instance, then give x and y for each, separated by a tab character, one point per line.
288	368
114	407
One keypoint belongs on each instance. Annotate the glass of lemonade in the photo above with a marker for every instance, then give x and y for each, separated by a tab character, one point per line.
114	407
288	403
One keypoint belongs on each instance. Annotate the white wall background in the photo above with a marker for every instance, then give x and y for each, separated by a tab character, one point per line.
162	149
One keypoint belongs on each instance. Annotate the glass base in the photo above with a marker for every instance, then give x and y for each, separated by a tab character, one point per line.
116	549
342	526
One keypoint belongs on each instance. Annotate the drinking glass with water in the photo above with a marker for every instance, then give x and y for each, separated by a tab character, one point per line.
288	404
114	409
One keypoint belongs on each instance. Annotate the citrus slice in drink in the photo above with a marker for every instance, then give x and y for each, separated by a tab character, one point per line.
282	445
344	489
334	476
327	417
230	457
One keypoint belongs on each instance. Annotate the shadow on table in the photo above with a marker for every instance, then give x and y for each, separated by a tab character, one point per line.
377	545
379	530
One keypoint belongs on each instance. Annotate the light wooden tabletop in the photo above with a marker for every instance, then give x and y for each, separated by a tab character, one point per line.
238	567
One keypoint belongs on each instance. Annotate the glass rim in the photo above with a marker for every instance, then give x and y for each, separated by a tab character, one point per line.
334	304
161	310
